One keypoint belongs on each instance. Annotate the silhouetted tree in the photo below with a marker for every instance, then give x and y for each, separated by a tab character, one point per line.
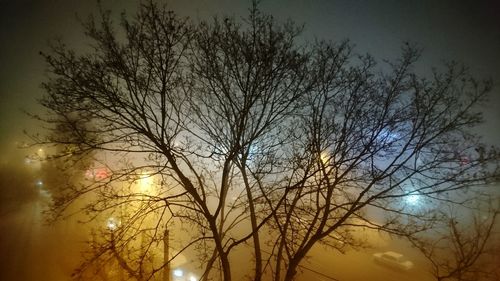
464	247
239	129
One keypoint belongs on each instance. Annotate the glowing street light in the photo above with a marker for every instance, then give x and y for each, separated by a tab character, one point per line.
325	157
413	199
112	223
145	183
178	273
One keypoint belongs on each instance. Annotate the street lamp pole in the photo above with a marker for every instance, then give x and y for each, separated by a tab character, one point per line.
112	224
166	262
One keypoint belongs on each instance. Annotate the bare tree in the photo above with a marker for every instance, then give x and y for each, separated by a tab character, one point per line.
131	107
368	143
235	128
246	87
464	247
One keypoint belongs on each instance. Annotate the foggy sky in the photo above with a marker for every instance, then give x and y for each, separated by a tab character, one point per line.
466	31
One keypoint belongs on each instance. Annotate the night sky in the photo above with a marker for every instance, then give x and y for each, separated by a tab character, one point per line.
466	31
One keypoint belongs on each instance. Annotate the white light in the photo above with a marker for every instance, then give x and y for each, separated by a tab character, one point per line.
145	182
192	278
178	273
112	224
39	183
325	157
412	199
387	136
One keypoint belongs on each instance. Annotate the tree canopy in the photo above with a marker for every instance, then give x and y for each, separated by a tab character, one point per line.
245	136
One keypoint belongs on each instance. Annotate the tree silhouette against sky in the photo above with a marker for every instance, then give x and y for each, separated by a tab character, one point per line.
246	135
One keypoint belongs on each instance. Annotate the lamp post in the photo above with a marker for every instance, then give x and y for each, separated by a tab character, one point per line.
145	184
112	224
166	262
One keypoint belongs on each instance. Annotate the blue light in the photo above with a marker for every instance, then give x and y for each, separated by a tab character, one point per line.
413	199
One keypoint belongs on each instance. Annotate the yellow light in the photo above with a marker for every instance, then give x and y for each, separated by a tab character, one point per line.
145	182
325	157
112	223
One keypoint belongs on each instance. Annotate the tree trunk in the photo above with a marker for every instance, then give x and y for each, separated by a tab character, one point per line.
291	270
226	269
253	220
295	261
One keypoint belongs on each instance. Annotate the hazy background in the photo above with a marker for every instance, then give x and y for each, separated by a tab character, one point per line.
465	31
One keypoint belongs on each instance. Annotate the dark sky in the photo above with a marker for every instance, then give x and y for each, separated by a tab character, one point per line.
466	31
